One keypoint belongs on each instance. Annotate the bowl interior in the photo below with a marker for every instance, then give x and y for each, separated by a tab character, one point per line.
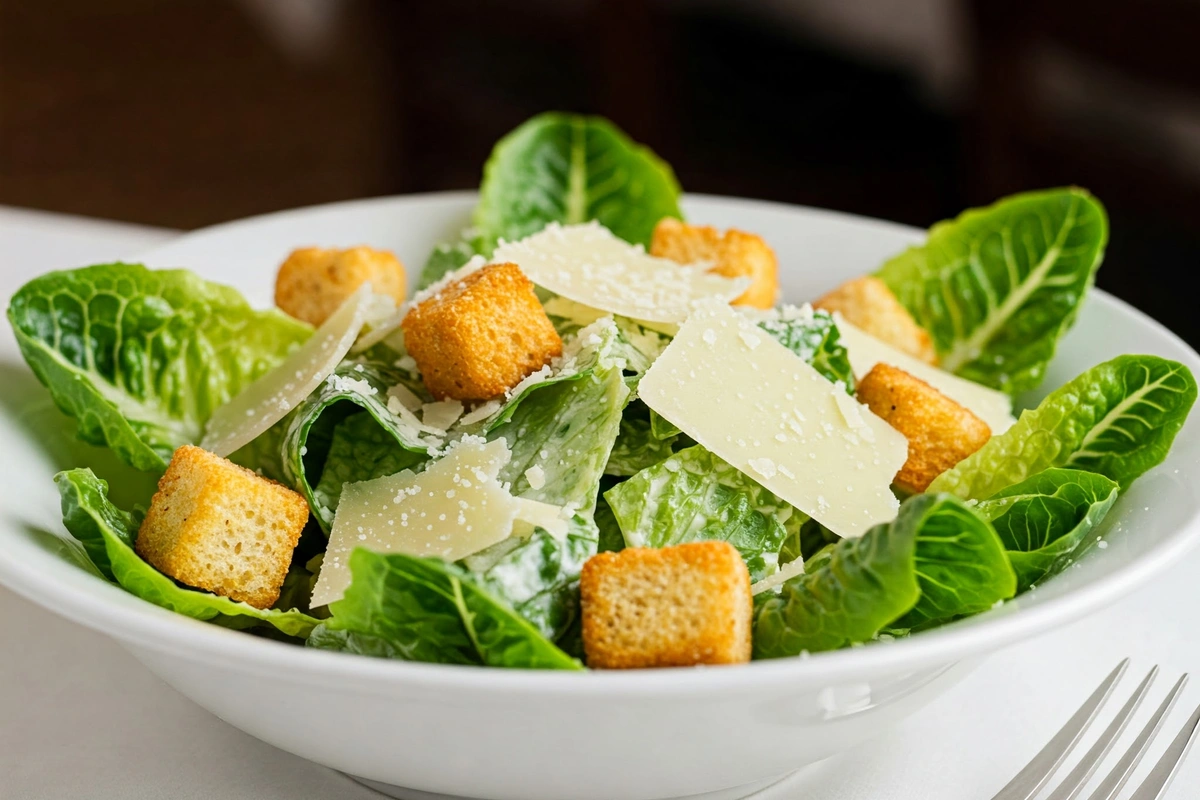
1149	528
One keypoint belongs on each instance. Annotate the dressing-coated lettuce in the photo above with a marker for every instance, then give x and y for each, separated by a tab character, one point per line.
309	433
562	433
423	609
998	286
695	496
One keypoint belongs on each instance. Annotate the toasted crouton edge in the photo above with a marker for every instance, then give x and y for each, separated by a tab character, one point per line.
614	593
940	431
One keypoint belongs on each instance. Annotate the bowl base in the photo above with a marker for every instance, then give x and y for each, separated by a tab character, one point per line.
401	793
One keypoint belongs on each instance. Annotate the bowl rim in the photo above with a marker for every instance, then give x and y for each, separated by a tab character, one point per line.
110	610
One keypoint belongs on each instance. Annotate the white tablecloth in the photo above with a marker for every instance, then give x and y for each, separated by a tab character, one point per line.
79	718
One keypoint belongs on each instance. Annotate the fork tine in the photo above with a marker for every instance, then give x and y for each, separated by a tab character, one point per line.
1115	780
1033	777
1074	782
1160	777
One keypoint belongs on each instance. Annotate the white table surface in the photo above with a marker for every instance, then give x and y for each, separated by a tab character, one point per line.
79	718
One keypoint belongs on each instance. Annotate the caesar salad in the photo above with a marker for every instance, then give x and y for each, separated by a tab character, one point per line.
595	437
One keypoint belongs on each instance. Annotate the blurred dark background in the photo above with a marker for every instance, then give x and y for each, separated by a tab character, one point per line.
188	112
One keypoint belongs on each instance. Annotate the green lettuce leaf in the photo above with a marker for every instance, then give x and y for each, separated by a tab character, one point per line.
636	448
662	428
1043	520
569	168
142	358
998	286
361	450
611	539
539	576
108	533
446	258
814	337
567	429
1118	419
936	561
423	609
960	563
310	433
695	496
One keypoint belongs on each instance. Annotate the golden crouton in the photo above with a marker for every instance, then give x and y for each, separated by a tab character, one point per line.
217	526
671	607
737	255
480	335
868	303
940	432
313	282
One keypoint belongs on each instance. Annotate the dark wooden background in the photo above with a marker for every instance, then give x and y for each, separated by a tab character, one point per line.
188	112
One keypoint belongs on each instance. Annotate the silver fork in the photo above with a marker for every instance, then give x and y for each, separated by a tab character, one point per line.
1029	781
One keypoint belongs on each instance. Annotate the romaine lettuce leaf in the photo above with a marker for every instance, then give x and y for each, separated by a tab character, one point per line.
569	168
448	257
361	450
960	563
108	533
695	496
565	432
309	433
539	576
936	561
1043	521
636	448
423	609
1118	419
814	337
611	539
998	286
142	358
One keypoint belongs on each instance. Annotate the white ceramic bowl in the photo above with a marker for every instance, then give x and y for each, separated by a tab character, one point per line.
514	735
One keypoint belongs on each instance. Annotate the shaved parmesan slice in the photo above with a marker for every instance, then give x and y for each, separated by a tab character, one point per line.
406	397
588	264
454	508
380	331
533	514
536	477
865	351
569	310
271	397
757	405
481	412
785	574
442	414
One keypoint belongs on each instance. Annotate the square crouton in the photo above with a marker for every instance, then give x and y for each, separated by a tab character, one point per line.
313	282
670	607
220	527
868	303
940	432
737	255
480	335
